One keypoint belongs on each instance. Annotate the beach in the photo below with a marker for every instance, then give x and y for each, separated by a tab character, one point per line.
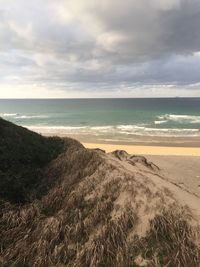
147	150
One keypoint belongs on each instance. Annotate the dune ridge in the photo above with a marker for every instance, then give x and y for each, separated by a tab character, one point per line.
102	209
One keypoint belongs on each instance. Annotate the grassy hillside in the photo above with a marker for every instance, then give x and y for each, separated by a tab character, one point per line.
23	155
98	209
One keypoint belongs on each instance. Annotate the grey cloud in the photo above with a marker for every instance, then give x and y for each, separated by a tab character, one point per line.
106	44
149	31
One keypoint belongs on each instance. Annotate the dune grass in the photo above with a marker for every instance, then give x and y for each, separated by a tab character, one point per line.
83	219
171	241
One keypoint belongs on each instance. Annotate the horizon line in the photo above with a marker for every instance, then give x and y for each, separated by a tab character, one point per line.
79	98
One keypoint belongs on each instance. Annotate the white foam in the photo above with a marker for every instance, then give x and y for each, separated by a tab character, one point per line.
8	114
171	132
18	116
104	128
142	131
160	122
130	127
180	118
31	117
118	130
54	128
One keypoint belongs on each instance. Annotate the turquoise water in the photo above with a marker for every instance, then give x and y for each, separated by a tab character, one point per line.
114	119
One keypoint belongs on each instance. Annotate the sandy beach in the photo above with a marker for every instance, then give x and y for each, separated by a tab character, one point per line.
147	150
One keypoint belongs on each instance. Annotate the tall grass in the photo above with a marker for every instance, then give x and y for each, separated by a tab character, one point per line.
171	241
88	215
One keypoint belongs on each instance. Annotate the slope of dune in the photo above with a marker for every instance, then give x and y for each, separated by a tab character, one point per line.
23	155
101	210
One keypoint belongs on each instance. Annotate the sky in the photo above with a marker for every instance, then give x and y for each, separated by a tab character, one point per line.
92	48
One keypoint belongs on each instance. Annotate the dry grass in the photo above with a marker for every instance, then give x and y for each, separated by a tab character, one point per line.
109	247
48	231
64	228
171	241
85	220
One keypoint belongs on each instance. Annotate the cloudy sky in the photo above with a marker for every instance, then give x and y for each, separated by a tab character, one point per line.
107	48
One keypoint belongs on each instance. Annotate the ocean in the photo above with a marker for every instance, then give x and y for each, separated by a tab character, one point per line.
106	119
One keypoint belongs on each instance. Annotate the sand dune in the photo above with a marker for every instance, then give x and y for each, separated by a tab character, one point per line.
102	209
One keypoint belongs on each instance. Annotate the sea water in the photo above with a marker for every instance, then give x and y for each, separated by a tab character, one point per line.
106	119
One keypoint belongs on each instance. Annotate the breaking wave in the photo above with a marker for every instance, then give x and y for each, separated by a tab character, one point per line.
117	130
32	117
8	114
160	122
178	118
18	116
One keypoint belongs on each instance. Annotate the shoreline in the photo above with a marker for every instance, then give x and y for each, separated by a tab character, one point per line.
143	145
147	150
146	141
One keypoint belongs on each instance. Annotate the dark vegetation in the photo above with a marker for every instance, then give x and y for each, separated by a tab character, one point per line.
23	156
